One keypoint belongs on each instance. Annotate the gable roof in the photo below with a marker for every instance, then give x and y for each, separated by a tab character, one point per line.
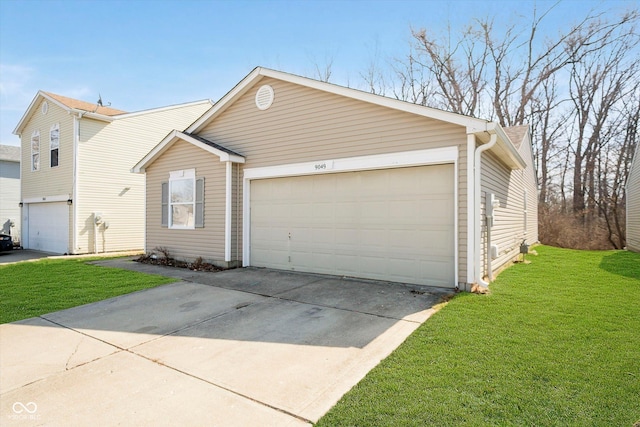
89	110
76	104
223	153
516	134
505	150
10	153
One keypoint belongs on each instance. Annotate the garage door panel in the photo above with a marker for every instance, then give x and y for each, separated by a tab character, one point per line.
394	224
48	225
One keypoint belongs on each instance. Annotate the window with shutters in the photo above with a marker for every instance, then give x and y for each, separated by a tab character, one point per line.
35	150
54	145
183	200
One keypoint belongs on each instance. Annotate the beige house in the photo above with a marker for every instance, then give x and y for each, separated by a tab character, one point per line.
77	192
10	191
633	205
296	174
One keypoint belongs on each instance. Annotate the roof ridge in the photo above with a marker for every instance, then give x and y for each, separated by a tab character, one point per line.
84	105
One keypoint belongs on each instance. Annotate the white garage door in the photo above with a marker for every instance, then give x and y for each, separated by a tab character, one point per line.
48	227
391	224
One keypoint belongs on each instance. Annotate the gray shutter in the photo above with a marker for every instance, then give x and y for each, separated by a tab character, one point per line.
200	203
164	222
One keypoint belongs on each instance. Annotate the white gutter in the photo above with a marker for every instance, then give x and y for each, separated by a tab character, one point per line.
478	219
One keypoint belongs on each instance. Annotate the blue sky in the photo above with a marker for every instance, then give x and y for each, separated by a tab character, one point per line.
140	54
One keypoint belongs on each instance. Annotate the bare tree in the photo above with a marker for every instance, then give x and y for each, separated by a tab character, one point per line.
573	90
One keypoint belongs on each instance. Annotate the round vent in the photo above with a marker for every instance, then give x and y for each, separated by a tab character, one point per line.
45	107
264	97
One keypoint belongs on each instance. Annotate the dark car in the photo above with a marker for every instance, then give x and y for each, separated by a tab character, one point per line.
6	244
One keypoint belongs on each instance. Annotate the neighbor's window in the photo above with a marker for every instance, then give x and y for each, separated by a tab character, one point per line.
183	200
54	144
35	150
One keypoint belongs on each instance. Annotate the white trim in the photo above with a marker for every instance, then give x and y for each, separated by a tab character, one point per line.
228	212
47	199
74	188
456	235
182	175
427	157
477	189
471	248
471	123
378	161
160	109
89	114
171	139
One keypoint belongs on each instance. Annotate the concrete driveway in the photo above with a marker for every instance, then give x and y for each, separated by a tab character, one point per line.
235	348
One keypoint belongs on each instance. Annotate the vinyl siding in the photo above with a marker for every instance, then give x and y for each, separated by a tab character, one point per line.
306	124
207	242
47	181
9	198
530	184
106	185
510	187
633	206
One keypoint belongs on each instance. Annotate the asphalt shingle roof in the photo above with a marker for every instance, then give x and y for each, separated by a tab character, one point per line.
85	106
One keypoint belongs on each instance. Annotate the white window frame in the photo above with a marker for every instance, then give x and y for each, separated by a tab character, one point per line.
182	175
54	128
35	153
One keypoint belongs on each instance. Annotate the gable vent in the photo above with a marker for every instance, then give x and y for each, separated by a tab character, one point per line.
264	97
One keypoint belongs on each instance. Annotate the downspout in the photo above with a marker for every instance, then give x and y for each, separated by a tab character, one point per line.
74	190
478	218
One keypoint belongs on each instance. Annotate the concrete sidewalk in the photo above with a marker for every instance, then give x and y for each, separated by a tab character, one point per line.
240	347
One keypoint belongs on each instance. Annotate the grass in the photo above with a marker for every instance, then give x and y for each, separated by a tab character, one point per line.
555	343
31	289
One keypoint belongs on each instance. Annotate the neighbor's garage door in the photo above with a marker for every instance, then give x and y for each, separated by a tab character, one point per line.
48	227
391	224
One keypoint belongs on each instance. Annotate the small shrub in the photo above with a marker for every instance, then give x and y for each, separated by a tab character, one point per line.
161	256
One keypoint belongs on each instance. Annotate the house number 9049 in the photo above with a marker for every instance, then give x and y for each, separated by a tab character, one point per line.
320	166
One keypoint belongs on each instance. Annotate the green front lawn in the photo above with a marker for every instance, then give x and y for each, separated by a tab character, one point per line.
30	289
555	343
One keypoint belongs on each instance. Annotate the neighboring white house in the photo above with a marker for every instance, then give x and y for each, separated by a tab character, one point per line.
78	195
633	205
297	174
10	191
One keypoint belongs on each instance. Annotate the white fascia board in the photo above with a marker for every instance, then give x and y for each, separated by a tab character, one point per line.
47	199
224	102
223	155
433	113
378	161
504	148
34	101
160	109
90	115
515	159
171	139
258	73
18	130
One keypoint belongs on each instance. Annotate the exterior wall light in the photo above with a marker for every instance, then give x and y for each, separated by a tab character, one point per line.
69	202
